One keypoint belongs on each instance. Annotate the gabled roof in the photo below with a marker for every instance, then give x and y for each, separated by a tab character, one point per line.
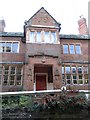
46	12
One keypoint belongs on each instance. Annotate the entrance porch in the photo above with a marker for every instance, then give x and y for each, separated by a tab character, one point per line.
43	77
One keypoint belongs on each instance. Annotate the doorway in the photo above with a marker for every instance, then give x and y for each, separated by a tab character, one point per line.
41	82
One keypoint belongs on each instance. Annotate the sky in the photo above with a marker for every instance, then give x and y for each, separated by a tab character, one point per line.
67	12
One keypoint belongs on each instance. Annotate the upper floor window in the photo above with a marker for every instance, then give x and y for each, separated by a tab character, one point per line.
53	37
9	47
65	49
71	49
38	36
43	36
47	38
78	49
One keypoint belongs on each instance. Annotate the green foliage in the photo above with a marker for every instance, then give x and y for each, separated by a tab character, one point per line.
25	101
60	103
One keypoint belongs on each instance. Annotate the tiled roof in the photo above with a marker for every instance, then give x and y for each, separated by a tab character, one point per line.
72	36
11	34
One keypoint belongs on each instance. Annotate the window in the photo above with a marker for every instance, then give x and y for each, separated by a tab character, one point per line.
68	79
75	74
0	74
12	70
85	69
63	70
2	46
12	75
71	47
32	36
78	49
67	69
15	47
19	76
79	69
38	36
74	77
9	47
53	37
6	71
47	37
73	69
80	81
65	49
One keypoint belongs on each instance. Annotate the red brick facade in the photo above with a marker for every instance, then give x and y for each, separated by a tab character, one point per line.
43	57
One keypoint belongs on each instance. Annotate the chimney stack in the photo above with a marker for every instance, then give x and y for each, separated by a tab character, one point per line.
2	25
83	29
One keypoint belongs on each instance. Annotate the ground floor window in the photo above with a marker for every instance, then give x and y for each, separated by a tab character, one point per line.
75	74
11	75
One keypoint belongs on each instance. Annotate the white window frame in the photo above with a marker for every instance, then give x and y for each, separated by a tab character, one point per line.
11	46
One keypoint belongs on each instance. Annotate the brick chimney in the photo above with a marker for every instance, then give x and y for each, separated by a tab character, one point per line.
2	25
83	29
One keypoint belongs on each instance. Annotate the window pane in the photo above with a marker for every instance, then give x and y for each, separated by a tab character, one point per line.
0	79
8	47
53	37
63	76
6	70
73	69
2	47
5	82
63	70
47	37
85	69
79	69
80	76
74	79
65	49
18	80
19	70
38	36
32	37
67	69
1	70
68	81
72	49
78	49
15	47
68	76
12	78
85	79
12	70
80	81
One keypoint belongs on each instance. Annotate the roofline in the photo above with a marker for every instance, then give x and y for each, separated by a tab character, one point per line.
11	34
47	12
74	37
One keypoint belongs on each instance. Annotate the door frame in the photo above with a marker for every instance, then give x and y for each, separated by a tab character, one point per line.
46	74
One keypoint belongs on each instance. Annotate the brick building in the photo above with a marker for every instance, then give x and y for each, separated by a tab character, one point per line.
43	59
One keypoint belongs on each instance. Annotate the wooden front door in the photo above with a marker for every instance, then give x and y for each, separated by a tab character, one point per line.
40	82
